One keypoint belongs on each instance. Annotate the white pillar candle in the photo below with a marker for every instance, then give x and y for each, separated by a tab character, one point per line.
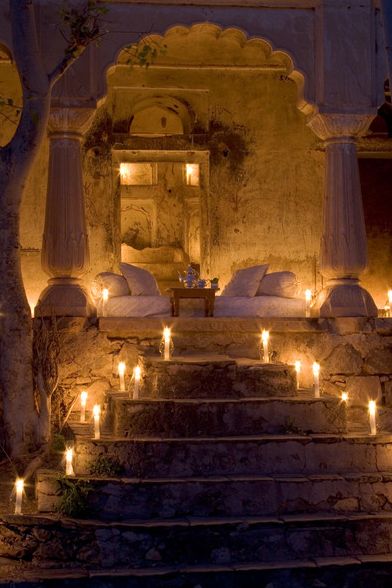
166	341
136	381
83	403
297	371
308	300
105	298
96	415
388	306
265	340
316	379
69	471
121	372
19	487
372	417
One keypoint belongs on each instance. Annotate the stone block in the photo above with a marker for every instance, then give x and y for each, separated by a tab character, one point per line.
379	361
344	359
361	389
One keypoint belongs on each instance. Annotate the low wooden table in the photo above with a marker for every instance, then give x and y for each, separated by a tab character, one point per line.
207	294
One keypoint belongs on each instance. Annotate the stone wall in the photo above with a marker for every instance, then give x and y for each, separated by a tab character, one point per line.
355	355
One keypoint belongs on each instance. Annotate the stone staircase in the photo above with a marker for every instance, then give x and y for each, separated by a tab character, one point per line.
227	476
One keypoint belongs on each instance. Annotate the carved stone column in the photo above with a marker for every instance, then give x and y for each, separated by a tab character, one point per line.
343	255
65	252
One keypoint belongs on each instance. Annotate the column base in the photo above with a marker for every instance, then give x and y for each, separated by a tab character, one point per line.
345	297
64	297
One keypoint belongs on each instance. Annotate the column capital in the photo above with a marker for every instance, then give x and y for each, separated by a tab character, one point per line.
70	120
338	126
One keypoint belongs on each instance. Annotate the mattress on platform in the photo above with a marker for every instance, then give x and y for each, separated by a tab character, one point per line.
225	306
138	306
259	306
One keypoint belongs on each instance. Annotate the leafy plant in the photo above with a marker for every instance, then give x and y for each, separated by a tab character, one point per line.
107	466
58	443
74	495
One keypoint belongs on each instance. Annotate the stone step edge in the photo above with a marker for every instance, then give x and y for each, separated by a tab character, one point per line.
120	397
380	438
39	574
354	477
318	519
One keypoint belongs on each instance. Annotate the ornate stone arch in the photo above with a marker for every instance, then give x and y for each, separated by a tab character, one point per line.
209	45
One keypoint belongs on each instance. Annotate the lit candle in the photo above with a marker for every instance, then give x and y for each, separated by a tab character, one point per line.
308	300
345	397
388	306
83	403
69	471
96	415
297	371
19	487
136	381
166	339
316	377
105	298
265	340
372	417
121	373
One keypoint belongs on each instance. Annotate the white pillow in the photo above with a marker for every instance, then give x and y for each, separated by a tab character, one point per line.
245	281
116	284
140	281
283	284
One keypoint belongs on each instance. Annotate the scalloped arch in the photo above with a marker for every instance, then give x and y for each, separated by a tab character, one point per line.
207	44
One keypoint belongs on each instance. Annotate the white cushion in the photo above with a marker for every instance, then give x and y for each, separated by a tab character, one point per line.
116	284
245	282
140	281
282	284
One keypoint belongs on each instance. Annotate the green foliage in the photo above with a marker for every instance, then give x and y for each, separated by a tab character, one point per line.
106	466
58	443
214	280
83	25
145	52
74	495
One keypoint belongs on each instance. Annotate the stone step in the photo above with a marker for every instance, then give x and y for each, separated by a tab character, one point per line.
44	541
262	454
215	377
209	417
127	498
327	572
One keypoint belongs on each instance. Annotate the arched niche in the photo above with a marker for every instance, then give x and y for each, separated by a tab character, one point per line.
160	116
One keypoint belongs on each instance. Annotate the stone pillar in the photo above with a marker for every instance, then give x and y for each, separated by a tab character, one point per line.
343	255
65	252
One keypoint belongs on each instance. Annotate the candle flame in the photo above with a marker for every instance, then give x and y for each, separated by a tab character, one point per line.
264	336
19	485
69	454
298	366
372	407
316	368
308	295
137	371
96	410
390	296
344	396
83	397
166	334
105	294
121	368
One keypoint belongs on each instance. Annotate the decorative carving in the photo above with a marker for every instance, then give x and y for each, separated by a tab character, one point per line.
70	120
340	126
